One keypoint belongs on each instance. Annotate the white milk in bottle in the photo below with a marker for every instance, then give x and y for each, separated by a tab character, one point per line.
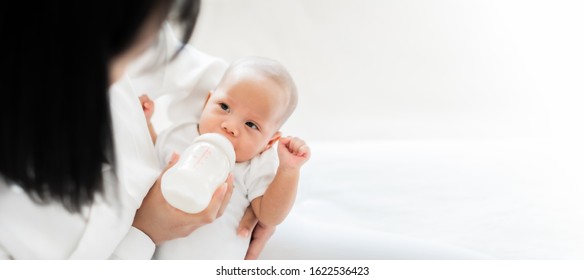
202	167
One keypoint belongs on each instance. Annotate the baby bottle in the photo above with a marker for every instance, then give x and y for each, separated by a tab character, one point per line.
202	167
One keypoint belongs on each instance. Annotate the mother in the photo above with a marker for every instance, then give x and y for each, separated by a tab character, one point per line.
76	163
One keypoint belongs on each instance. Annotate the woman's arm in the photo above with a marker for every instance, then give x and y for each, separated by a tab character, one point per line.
157	221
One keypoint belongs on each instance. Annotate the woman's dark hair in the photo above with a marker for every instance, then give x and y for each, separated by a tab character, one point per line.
55	121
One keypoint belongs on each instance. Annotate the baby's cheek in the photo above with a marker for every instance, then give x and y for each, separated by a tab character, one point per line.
203	126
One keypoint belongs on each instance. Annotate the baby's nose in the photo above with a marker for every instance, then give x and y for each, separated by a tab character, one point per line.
230	128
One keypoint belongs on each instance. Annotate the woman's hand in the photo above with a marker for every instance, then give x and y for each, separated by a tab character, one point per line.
260	234
162	222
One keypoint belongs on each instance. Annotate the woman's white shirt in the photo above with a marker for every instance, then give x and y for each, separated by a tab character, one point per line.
103	230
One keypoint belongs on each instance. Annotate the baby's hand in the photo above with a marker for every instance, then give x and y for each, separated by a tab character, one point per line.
147	106
293	152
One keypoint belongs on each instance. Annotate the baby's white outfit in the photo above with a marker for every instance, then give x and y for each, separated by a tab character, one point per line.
217	240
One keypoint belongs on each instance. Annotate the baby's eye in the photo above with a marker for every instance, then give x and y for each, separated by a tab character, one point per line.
252	125
224	106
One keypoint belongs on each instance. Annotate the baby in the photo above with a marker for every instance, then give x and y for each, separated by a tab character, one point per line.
249	106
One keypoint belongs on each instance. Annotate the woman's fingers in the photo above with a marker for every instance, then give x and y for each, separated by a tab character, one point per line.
261	235
247	223
227	196
219	201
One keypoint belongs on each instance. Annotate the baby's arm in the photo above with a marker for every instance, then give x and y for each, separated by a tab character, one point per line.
148	107
274	205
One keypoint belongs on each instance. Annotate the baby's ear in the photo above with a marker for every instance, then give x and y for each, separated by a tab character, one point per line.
273	140
208	97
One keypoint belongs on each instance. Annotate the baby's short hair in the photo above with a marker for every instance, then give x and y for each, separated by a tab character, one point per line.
271	69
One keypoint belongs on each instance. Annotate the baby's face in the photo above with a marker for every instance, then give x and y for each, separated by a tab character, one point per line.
247	112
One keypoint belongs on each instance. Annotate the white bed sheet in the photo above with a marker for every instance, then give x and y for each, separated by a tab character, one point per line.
506	199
